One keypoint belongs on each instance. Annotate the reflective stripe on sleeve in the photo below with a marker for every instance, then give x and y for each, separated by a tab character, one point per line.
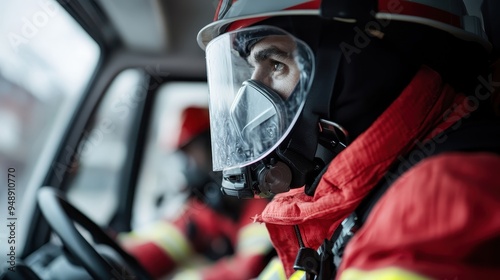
298	275
390	273
254	239
273	271
166	236
190	274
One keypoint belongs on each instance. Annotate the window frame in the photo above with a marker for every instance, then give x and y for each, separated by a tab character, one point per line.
37	230
110	65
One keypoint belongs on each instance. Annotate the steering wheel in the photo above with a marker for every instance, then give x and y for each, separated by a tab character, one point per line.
61	216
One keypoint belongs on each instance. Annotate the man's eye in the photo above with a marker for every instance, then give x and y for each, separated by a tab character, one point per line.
278	66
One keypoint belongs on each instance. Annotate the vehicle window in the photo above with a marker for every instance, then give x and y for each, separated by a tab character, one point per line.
160	179
94	179
46	62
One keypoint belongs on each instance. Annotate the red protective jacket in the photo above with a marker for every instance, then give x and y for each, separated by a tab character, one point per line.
168	245
439	220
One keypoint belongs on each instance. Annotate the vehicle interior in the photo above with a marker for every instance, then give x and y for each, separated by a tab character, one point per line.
92	80
89	94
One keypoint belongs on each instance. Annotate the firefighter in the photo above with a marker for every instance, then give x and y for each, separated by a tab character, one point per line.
214	236
371	122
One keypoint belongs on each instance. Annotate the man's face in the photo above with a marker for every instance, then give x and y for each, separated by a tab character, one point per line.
274	65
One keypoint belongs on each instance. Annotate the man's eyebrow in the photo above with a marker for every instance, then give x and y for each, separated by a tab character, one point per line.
268	52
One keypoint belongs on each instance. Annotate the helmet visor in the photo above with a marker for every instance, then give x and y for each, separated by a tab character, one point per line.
258	81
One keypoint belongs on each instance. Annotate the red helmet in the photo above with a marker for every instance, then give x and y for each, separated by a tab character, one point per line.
194	122
447	15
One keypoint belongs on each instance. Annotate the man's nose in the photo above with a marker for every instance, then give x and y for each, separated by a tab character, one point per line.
259	74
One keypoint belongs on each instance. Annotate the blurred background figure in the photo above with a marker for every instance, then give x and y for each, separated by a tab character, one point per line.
213	236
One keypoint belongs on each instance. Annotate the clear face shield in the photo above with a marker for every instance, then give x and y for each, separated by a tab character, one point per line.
258	80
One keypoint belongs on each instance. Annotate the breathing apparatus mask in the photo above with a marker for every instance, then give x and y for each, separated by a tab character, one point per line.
259	79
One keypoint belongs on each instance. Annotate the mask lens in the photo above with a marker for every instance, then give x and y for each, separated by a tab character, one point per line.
256	113
258	80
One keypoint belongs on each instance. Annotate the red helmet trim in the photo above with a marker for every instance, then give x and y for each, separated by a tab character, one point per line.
219	6
244	23
216	16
